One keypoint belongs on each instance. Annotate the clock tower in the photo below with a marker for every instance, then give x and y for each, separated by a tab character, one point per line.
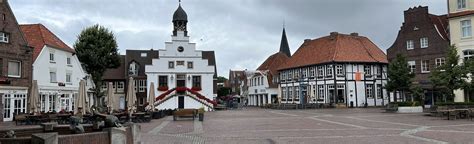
180	20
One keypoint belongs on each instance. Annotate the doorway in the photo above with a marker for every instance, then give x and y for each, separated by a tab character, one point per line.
181	82
13	104
181	102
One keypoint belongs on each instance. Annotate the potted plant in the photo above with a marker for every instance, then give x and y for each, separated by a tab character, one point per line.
163	88
201	113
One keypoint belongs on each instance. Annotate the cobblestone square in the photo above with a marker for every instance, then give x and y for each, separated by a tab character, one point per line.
266	126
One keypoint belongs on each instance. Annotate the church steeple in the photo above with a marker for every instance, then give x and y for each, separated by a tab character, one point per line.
180	20
284	48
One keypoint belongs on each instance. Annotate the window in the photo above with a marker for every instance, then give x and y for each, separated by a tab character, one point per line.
379	91
440	61
339	70
14	69
305	72
68	60
290	75
52	76
180	63
461	4
425	67
329	70
133	69
162	80
171	64
468	54
197	81
51	56
424	42
290	92
297	93
283	93
369	90
466	28
367	70
320	71
311	71
143	54
412	66
190	65
3	16
320	91
410	44
378	71
141	85
68	77
4	37
120	86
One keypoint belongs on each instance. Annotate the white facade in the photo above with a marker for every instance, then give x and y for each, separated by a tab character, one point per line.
353	85
181	67
52	68
259	91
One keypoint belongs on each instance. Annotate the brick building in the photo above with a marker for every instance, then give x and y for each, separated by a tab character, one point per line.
15	64
423	39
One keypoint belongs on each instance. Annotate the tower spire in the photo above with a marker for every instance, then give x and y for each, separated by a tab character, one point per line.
284	47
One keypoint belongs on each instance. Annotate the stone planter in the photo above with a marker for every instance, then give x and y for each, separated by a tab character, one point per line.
201	117
415	109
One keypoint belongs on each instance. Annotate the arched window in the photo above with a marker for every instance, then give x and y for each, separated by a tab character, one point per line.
133	69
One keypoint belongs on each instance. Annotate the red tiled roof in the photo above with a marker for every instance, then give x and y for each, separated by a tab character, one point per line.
271	64
38	36
441	24
335	48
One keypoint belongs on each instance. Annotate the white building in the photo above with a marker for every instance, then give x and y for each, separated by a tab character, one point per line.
181	65
346	70
56	68
262	83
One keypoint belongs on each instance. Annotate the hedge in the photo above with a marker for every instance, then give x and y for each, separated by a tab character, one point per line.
401	104
453	103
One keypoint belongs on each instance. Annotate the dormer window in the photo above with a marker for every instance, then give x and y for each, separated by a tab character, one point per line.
133	69
4	37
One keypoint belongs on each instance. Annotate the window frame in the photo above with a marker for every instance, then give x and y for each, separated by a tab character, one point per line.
369	91
164	81
461	4
410	44
196	81
368	70
339	70
412	67
4	37
466	28
190	65
424	42
425	67
171	64
51	80
19	69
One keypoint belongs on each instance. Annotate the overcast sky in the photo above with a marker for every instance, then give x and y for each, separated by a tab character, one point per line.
243	33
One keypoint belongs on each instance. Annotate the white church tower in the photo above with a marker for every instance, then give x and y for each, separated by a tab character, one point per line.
183	76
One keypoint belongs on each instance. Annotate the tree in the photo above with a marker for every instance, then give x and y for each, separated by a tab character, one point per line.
449	76
96	48
221	79
399	76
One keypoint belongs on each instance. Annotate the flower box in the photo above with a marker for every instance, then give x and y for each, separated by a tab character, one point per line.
196	88
162	88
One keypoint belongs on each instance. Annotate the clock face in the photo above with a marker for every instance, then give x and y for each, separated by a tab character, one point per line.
180	49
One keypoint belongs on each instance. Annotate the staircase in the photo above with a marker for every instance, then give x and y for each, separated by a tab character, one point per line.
192	94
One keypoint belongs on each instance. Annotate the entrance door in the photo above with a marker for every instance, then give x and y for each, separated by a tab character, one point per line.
331	95
181	102
180	81
340	96
13	104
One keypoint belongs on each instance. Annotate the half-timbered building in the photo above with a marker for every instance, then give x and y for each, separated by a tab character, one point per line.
346	70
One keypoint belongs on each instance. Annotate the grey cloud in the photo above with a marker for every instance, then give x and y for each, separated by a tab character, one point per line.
243	33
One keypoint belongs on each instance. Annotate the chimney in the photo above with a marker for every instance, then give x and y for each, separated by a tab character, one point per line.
354	34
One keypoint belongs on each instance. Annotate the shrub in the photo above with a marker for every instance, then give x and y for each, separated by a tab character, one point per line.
407	103
454	103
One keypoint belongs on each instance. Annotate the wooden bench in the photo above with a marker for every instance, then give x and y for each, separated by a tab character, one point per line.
188	113
391	107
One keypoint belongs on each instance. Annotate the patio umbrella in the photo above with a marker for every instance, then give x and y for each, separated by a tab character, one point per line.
151	97
131	96
110	98
81	99
33	98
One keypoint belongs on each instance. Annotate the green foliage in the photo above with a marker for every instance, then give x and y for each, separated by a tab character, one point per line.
223	91
399	75
417	92
449	76
221	79
401	104
96	48
454	103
